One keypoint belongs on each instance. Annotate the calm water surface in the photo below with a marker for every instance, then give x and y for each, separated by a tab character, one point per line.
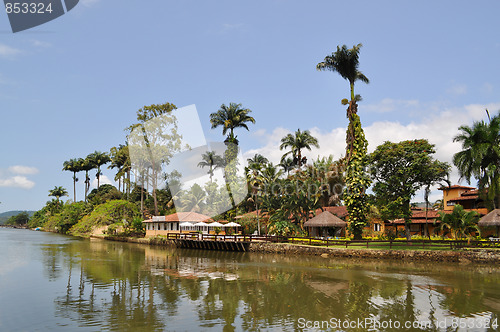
54	282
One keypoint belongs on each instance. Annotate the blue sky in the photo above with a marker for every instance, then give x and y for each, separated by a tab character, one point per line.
71	86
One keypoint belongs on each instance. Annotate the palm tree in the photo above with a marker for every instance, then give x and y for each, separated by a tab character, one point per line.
262	181
87	165
231	117
194	200
58	192
120	160
297	142
257	159
460	222
211	160
346	62
73	165
438	205
98	159
287	164
480	156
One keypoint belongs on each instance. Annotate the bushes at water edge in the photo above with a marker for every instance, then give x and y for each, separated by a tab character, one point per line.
112	212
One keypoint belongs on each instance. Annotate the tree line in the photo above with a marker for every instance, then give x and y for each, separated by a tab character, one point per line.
289	193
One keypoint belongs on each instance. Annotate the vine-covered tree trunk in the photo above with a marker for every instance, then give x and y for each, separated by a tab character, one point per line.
230	170
357	179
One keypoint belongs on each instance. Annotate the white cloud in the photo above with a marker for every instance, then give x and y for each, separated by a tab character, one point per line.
7	51
14	177
439	129
18	169
389	105
17	182
103	179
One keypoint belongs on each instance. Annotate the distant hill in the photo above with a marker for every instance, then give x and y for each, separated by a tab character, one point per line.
6	215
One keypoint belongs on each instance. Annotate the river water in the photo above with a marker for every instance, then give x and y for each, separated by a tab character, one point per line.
55	282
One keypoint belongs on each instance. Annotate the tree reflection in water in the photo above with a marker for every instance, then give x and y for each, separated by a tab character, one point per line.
121	286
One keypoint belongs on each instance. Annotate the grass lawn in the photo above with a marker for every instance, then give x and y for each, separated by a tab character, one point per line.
382	245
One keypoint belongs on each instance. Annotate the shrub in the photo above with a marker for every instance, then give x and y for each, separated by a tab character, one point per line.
108	213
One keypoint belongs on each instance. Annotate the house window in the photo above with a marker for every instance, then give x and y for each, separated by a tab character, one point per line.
450	203
376	227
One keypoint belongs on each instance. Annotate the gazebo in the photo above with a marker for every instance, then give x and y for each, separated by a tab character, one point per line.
491	219
325	224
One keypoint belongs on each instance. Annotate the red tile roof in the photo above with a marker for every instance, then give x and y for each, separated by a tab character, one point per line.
455	186
418	217
464	198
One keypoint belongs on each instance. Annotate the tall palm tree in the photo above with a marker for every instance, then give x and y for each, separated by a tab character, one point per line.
87	165
297	142
256	166
346	63
73	165
58	192
98	159
480	156
120	160
211	160
231	117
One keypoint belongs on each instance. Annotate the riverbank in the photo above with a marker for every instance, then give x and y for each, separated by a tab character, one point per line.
464	256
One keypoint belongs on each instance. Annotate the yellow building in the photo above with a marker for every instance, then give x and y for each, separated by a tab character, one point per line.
468	197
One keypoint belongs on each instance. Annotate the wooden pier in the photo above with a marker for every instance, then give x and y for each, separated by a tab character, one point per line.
212	245
213	242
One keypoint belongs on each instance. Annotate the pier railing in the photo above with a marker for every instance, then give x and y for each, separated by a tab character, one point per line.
344	243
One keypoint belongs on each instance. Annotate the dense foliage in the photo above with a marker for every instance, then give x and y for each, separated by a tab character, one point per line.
480	157
400	169
112	212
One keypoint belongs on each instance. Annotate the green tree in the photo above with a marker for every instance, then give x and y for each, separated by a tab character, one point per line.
231	117
58	192
346	63
287	164
194	200
400	169
211	160
480	157
73	165
19	219
154	140
297	142
87	165
98	159
329	173
461	223
120	159
254	173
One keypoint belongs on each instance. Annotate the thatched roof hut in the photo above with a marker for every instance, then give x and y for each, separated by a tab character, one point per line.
491	219
325	219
